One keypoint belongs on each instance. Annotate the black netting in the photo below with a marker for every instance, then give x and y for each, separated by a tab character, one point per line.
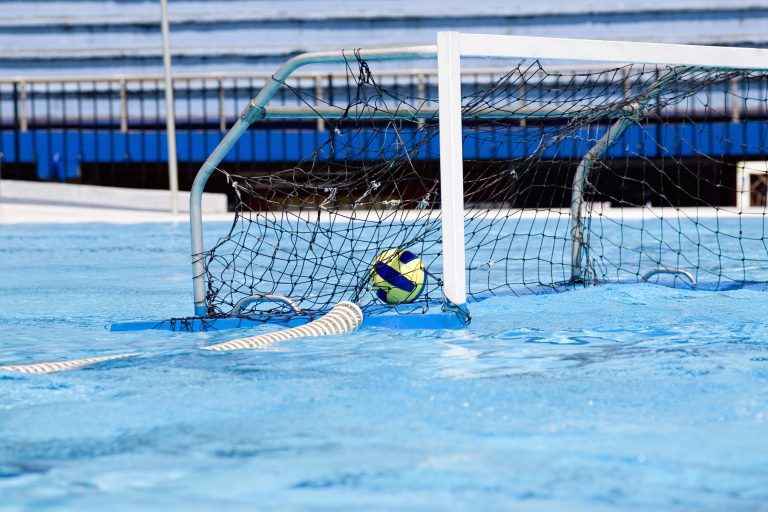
659	148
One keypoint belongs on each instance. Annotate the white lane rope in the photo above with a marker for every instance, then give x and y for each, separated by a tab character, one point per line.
61	366
344	317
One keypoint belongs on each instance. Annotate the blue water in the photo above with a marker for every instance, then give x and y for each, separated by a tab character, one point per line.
630	397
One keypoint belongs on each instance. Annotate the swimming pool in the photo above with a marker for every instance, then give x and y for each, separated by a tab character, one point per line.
619	396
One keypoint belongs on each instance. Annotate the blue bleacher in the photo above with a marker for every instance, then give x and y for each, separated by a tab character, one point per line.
58	154
44	37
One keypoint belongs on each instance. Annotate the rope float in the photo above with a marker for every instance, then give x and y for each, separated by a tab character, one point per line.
344	317
60	366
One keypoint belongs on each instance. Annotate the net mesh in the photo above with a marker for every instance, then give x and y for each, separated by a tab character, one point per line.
639	164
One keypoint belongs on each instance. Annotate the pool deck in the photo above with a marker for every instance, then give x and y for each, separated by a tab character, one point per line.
23	202
12	212
54	203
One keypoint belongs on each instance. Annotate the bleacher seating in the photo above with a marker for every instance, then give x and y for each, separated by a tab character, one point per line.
122	36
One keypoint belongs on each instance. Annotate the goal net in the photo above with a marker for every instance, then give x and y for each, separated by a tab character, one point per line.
573	175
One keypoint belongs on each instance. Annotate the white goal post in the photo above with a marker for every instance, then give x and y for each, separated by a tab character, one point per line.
451	47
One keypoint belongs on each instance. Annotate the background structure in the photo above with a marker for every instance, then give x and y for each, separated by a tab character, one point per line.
81	90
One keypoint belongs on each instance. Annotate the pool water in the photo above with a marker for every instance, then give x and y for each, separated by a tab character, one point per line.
631	397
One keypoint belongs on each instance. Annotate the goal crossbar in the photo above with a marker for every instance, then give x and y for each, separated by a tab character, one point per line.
583	50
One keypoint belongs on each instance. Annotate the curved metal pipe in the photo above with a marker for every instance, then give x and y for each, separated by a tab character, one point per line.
632	113
253	111
577	197
255	299
671	271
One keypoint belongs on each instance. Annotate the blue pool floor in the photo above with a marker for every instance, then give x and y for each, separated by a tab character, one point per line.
618	397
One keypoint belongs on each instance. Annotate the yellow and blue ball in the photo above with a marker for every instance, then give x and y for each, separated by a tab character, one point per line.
398	276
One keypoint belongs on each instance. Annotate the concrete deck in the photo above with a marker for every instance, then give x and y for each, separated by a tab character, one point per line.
37	213
23	202
53	203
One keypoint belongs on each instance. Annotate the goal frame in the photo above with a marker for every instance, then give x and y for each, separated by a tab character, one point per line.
451	47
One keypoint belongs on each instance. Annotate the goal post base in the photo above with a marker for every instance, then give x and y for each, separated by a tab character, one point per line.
443	320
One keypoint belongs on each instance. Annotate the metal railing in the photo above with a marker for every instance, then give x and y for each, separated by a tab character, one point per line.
58	125
57	128
135	101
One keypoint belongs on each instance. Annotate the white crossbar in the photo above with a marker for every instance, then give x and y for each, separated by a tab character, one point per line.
481	45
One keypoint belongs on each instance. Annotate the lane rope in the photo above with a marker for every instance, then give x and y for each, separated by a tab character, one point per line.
61	366
344	317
